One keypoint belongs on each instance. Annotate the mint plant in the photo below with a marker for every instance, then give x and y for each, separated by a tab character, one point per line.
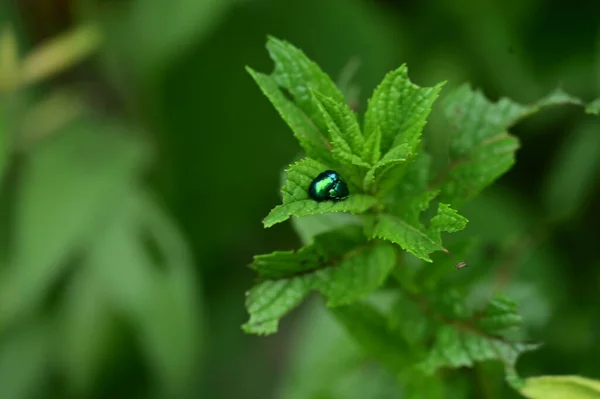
390	234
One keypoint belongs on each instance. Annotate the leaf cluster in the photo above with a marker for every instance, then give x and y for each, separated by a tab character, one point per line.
400	209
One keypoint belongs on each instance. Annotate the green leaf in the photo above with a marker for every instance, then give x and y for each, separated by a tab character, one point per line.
360	272
295	72
411	238
481	149
451	333
411	235
395	156
463	337
401	223
327	248
304	130
557	97
400	109
372	150
357	203
269	301
339	264
346	138
458	347
406	183
561	387
371	330
296	201
447	219
68	187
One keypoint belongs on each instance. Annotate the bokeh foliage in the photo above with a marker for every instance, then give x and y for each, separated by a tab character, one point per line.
152	161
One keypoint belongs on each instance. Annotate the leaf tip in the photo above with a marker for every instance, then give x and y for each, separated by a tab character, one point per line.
265	328
272	39
274	217
267	223
274	42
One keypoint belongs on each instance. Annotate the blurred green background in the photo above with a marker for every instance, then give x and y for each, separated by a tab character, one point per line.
137	159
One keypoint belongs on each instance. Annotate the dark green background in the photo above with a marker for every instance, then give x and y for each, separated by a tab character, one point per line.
175	69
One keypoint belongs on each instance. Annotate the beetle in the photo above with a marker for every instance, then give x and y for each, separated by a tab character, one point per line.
328	185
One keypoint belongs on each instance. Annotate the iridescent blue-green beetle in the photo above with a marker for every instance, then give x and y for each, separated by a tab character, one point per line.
328	186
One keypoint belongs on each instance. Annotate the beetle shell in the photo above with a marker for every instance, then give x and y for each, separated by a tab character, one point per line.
328	186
